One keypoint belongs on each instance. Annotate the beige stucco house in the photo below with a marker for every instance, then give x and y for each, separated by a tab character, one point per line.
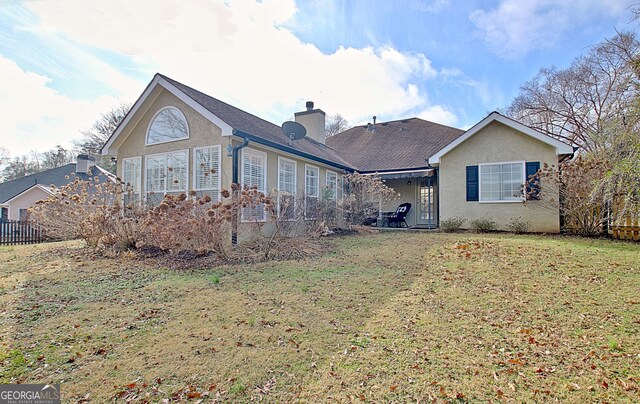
177	139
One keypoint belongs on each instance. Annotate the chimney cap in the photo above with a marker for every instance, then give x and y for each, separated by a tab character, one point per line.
86	157
309	105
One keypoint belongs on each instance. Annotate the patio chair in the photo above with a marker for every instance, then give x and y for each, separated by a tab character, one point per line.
400	215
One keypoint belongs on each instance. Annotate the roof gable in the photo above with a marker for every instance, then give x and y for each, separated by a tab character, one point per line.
232	121
56	176
561	148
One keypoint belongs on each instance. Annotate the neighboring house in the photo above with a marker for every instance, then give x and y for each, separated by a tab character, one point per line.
17	196
176	139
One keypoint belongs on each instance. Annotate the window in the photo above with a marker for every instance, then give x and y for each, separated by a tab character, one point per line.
24	215
311	190
167	125
502	182
131	177
332	185
286	188
166	173
207	171
254	174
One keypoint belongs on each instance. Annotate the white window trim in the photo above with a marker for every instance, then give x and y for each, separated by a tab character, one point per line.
219	168
137	159
305	188
295	184
146	134
262	154
146	159
520	200
326	183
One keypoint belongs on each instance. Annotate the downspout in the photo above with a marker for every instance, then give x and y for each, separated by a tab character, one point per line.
235	180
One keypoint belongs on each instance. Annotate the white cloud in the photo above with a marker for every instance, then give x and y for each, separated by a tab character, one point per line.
430	6
238	51
515	27
439	114
35	117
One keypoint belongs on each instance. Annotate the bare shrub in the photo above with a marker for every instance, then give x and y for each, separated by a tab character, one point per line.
484	225
451	224
365	194
518	225
573	188
90	210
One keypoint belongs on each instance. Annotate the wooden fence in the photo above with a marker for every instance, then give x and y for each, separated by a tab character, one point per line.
20	232
626	229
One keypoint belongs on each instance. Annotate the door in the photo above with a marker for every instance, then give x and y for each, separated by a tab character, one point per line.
427	202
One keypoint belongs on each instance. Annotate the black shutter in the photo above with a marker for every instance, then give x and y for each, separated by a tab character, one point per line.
533	189
472	184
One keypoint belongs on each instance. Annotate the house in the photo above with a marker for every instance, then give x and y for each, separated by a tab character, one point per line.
446	172
177	139
17	196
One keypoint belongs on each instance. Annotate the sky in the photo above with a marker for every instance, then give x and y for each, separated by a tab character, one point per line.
64	62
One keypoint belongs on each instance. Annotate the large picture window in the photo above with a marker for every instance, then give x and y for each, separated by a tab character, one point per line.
167	125
206	161
254	174
165	173
311	191
286	188
132	178
502	182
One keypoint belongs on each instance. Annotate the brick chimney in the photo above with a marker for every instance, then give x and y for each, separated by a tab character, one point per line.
314	122
84	163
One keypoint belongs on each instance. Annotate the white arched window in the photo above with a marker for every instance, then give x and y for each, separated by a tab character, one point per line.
167	125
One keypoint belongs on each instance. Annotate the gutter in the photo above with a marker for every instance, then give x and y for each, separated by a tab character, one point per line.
291	150
235	180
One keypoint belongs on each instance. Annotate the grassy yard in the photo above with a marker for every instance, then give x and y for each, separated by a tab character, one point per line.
387	317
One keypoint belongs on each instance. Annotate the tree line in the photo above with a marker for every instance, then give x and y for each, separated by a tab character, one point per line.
90	142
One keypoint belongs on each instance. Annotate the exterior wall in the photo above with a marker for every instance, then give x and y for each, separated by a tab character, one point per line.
494	144
25	201
201	133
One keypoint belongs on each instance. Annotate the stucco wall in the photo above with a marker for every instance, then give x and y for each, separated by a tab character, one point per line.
201	133
204	133
494	144
25	201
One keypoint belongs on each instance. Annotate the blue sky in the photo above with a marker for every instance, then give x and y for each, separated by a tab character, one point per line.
62	62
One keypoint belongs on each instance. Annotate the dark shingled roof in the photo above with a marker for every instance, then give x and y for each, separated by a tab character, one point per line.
395	145
258	127
55	176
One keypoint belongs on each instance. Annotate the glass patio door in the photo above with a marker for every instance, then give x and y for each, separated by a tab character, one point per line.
427	204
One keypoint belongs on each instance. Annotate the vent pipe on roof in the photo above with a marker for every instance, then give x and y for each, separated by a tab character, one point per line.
309	105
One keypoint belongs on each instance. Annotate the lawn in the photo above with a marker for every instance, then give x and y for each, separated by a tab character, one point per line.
385	317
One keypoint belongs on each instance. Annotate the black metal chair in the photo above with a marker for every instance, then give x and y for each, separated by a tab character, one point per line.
400	215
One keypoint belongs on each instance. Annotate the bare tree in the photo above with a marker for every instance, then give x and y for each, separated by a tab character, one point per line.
576	104
5	156
18	167
92	139
335	124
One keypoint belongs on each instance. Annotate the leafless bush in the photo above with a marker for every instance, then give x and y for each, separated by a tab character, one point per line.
572	187
365	195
